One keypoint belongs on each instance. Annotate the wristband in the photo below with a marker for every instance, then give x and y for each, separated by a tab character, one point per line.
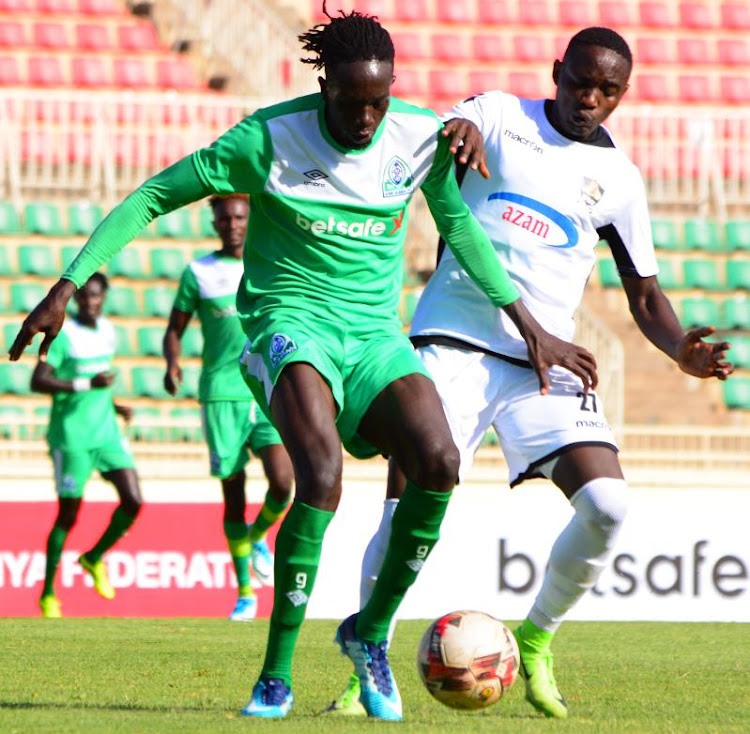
81	384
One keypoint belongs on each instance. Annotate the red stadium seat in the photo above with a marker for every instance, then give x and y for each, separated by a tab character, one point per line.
735	89
138	37
10	73
409	46
695	88
446	84
655	15
90	72
175	73
14	6
534	12
489	47
12	34
453	11
131	73
696	15
615	14
409	83
575	13
525	84
100	7
733	51
56	6
93	37
494	11
414	10
650	50
46	71
651	87
449	47
530	48
372	7
50	35
484	81
693	51
735	16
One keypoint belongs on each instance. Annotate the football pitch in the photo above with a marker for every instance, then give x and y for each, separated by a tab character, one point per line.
194	675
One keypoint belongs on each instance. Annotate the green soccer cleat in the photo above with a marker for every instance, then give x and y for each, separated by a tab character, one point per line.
348	703
50	606
98	573
536	670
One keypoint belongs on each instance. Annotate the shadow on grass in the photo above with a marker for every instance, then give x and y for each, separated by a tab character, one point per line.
81	705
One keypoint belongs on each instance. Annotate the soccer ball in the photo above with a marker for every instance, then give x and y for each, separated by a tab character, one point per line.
468	660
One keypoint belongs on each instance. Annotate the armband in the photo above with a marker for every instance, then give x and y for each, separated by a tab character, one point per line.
81	384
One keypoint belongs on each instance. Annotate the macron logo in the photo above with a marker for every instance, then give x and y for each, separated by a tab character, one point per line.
355	229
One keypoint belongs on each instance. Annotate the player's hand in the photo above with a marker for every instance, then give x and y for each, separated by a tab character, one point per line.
704	359
465	136
47	318
125	412
173	378
103	379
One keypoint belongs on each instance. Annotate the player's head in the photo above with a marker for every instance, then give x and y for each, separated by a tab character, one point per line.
357	55
90	298
591	79
230	219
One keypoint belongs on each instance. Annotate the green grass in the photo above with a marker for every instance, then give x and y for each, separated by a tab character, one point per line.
185	676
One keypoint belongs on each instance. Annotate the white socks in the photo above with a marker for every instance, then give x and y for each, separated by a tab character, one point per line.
580	553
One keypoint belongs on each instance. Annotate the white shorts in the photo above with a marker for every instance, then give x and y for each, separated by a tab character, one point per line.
479	391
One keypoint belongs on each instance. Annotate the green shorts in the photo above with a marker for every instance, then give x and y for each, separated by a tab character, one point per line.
231	427
73	468
357	367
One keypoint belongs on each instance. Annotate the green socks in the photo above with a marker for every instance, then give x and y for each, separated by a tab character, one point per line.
118	526
268	514
298	546
55	542
239	549
534	638
414	531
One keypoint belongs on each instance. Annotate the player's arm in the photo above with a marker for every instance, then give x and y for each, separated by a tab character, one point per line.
43	380
171	347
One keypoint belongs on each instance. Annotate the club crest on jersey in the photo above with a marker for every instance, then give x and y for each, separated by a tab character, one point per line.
591	191
397	178
281	346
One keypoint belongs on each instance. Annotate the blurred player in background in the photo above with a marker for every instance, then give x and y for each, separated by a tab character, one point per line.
232	421
84	435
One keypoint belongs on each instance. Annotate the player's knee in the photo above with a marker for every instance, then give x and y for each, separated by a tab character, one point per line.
131	504
602	503
66	518
437	467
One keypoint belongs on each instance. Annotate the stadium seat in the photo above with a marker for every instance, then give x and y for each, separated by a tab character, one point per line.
25	296
736	313
735	16
484	81
123	343
188	426
693	51
454	11
93	37
608	275
121	301
414	10
176	73
703	234
127	264
50	35
409	46
131	73
733	51
695	88
616	14
84	217
495	12
738	274
668	274
190	378
43	218
100	7
734	89
653	50
175	224
575	13
10	417
737	233
9	333
15	378
138	37
655	15
535	12
489	47
37	260
736	393
652	87
56	6
740	351
701	273
144	426
449	47
409	83
372	7
12	34
45	71
696	15
446	85
41	421
150	341
666	234
699	312
5	266
166	263
525	84
158	301
15	6
192	342
148	382
10	222
530	48
10	72
90	72
68	254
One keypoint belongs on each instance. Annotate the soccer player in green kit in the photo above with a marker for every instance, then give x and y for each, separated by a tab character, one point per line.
330	176
83	435
232	422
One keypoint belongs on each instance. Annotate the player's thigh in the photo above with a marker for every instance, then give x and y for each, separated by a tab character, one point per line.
72	470
226	426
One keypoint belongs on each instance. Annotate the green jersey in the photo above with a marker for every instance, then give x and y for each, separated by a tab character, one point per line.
87	419
208	287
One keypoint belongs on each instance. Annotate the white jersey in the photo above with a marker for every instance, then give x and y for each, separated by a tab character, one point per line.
547	204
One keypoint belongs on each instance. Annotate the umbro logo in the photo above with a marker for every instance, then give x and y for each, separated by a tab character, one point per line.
415	564
315	174
297	597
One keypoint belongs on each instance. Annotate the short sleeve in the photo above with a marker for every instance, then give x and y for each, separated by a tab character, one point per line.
186	299
58	351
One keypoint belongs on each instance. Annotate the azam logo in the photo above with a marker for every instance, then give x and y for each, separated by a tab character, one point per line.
397	178
281	346
297	597
315	174
591	191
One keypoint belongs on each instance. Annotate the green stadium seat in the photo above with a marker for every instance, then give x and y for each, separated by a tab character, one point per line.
190	377
123	343
701	273
737	313
608	275
83	217
68	254
700	312
25	296
490	438
127	264
192	342
121	301
143	426
43	218
738	274
15	378
41	414
201	252
738	234
206	223
167	263
150	341
666	234
185	431
148	382
175	224
38	260
10	414
740	351
158	301
737	393
10	222
703	234
5	267
669	278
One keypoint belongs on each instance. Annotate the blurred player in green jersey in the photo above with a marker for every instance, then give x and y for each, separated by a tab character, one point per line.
84	435
232	421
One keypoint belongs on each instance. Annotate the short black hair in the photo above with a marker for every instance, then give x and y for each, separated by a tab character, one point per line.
215	200
604	37
100	278
349	37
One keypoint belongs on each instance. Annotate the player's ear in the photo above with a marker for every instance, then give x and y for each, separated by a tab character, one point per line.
556	67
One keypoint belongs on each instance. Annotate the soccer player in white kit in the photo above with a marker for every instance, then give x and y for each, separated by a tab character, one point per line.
558	185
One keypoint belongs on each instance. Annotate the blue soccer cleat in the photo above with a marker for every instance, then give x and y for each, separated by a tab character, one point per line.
379	692
262	561
245	609
271	699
